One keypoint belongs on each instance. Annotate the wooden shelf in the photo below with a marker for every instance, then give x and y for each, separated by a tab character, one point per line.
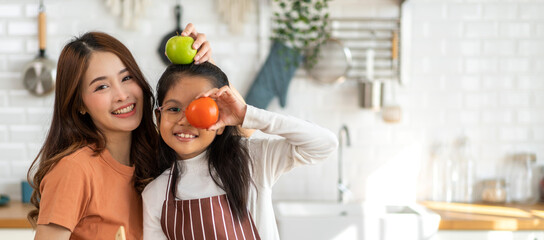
13	215
476	216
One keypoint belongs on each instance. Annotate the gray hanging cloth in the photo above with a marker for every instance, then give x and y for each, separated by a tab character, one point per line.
274	77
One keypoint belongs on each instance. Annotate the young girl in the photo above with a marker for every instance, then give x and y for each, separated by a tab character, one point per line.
220	184
91	169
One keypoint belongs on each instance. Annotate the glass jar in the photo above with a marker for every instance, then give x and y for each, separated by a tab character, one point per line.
441	174
521	178
463	171
541	184
494	191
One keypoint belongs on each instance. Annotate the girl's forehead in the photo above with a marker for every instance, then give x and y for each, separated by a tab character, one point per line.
187	88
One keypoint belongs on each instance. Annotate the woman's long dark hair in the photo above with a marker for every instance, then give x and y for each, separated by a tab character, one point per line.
228	158
70	130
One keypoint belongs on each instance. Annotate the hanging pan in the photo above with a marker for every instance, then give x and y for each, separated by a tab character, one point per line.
39	74
333	63
177	31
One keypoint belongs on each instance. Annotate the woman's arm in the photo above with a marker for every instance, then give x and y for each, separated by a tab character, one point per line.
52	231
65	195
201	44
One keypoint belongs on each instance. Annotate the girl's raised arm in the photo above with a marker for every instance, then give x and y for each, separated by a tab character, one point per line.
300	143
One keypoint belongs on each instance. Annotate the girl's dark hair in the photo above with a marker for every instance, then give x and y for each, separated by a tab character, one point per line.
70	130
228	159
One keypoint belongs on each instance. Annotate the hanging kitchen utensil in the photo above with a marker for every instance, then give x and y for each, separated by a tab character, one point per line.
39	74
395	55
333	63
162	46
370	94
391	111
370	90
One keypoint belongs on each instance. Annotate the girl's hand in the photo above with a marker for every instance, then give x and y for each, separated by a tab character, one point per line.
232	110
204	50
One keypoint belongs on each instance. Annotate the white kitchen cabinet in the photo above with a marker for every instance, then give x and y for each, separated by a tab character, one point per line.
16	233
488	235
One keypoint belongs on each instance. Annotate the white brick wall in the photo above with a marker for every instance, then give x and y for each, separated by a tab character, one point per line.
476	68
11	10
500	45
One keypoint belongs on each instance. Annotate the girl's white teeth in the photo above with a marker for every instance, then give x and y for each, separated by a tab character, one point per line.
183	135
124	110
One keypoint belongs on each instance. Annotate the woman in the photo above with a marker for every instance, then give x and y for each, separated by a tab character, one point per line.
87	177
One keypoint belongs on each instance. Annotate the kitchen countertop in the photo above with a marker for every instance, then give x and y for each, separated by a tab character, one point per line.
483	216
454	216
13	215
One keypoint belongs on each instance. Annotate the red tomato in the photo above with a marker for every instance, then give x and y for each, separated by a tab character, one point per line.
202	112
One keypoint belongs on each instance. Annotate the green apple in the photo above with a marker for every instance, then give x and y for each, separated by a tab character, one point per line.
179	50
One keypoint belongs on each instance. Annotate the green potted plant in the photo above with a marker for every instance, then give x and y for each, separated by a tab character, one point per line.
303	26
299	29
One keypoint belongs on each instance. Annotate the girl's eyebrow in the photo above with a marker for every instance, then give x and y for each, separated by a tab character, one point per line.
103	77
171	100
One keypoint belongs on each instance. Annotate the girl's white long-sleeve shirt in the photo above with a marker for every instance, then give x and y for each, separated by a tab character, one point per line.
301	143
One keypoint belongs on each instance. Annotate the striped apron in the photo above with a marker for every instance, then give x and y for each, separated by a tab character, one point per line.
204	218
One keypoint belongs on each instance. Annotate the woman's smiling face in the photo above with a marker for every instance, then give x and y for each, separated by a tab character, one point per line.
110	94
186	140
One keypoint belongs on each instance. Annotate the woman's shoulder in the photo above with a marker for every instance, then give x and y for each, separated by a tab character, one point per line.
73	166
81	158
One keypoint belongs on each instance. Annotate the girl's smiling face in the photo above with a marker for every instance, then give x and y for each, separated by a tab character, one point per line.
110	95
186	140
